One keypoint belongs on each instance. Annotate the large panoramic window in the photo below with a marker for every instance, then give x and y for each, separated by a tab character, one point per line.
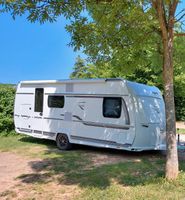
112	107
39	96
56	101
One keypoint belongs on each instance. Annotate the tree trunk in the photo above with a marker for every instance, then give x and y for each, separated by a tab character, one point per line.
166	22
172	155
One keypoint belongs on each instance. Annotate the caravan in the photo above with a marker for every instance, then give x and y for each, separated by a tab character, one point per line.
111	113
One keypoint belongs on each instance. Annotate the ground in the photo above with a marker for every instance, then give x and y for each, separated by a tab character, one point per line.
35	169
180	125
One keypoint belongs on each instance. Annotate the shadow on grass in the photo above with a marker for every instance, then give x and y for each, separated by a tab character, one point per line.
32	140
77	166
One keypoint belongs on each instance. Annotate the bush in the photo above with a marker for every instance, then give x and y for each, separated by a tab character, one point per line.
7	95
180	108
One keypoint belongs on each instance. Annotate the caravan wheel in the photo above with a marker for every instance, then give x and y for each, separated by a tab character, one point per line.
63	142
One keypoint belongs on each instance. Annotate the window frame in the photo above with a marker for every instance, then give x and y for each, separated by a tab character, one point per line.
49	106
126	113
124	110
36	100
103	107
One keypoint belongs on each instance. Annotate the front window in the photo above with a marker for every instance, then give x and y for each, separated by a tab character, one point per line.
112	107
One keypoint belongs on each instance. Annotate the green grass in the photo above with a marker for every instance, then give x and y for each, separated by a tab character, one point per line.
141	177
180	131
16	142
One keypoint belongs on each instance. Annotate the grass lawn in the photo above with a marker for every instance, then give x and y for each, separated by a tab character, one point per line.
180	131
85	173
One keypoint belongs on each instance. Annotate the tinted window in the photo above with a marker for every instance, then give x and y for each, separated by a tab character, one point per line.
112	107
56	101
39	92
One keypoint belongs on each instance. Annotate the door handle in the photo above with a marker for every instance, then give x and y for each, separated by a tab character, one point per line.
40	113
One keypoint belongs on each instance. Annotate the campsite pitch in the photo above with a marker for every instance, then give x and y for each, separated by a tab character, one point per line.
36	169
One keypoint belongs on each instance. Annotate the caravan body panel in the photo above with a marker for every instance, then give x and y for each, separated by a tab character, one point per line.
111	113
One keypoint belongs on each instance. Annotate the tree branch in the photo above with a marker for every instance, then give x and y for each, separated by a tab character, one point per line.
180	18
179	34
159	7
180	12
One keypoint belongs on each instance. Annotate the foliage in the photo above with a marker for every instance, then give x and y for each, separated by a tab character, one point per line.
41	10
106	31
7	94
148	75
112	34
80	69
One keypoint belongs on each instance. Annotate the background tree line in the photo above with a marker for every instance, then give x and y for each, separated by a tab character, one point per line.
150	74
7	95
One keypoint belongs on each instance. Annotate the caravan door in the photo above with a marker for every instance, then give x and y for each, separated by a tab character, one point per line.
23	109
37	120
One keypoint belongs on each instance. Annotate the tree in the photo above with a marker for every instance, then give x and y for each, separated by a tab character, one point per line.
165	15
80	69
166	22
117	30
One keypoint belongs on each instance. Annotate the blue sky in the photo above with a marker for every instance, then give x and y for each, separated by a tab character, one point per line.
30	51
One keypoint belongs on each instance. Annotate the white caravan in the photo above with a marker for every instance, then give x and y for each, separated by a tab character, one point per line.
111	113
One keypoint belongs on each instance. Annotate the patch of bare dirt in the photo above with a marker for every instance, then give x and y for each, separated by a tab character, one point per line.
11	166
104	159
180	125
18	180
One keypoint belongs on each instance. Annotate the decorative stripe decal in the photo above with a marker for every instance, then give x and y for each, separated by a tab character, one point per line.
88	123
26	116
105	125
53	118
49	133
77	117
81	107
96	124
36	117
94	96
24	93
85	95
37	131
25	130
93	140
99	141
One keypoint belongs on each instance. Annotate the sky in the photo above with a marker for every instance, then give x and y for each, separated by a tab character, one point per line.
30	51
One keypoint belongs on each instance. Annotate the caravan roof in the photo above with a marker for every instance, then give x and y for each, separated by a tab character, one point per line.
137	89
98	80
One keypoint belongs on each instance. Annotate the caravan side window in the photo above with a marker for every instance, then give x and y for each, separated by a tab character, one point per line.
39	95
56	101
112	107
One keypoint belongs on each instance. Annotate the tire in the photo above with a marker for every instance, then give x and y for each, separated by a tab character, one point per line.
63	142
